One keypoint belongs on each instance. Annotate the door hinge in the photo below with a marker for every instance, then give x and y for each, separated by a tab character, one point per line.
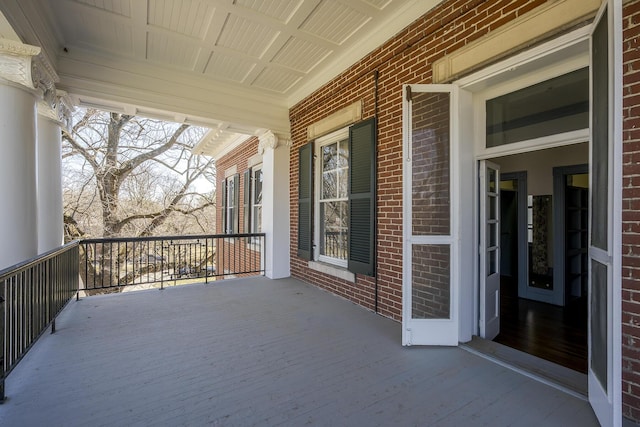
408	93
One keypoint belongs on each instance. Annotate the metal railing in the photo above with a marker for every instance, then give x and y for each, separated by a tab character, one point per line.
113	263
32	294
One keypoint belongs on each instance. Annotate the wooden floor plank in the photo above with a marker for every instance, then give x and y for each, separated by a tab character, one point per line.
260	352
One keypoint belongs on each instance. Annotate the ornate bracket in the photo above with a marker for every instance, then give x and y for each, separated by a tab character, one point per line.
23	64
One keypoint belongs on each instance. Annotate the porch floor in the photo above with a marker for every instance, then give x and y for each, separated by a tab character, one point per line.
261	352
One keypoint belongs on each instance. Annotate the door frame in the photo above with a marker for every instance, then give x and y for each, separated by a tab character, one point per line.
486	77
559	210
523	264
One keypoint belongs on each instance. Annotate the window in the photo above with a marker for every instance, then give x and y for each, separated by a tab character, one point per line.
558	105
336	206
256	193
230	195
332	205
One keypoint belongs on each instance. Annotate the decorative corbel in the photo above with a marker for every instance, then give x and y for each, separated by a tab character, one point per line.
16	62
267	140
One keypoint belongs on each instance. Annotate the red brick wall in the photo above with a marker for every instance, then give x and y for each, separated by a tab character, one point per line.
238	157
406	58
232	256
631	213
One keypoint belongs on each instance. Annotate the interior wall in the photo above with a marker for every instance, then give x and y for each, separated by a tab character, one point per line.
539	165
539	168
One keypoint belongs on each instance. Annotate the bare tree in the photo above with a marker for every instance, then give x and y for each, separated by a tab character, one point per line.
127	175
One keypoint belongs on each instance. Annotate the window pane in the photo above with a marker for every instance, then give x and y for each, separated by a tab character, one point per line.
430	164
329	185
430	282
343	159
333	229
257	187
257	219
554	106
329	157
343	176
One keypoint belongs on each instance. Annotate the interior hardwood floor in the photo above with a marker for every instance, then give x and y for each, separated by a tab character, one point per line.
557	334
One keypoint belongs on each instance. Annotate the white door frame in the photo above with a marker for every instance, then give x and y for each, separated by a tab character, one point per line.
485	77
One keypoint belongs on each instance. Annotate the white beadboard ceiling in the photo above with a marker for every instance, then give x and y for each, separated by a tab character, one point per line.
230	63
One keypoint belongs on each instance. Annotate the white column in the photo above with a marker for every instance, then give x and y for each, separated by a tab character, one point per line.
275	206
18	97
49	161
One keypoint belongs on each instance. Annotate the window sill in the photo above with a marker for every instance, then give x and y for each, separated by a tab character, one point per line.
333	270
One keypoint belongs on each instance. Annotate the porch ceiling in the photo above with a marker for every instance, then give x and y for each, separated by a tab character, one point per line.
236	65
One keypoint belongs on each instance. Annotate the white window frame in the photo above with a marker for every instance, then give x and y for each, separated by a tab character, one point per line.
255	227
331	138
229	208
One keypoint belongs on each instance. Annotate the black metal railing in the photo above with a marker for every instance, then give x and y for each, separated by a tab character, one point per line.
335	244
113	263
32	294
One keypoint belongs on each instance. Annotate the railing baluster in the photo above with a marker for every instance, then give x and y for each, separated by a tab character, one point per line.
31	294
3	348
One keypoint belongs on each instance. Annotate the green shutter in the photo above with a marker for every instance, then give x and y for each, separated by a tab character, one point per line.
236	203
246	208
223	228
305	201
362	197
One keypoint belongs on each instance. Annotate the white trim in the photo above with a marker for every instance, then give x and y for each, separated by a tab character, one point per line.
615	7
537	144
333	137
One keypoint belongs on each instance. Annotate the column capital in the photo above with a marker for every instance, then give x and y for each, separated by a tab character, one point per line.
267	140
24	65
270	140
16	61
57	109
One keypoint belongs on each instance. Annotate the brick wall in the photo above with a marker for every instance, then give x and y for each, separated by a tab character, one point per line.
631	213
238	157
406	58
234	255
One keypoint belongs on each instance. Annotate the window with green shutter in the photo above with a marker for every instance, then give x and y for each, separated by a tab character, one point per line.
336	205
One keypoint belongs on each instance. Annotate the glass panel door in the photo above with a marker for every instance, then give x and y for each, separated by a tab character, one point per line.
490	250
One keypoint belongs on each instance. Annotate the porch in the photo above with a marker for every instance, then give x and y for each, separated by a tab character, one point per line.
256	351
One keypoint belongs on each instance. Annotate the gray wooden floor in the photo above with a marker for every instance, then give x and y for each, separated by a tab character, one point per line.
260	352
